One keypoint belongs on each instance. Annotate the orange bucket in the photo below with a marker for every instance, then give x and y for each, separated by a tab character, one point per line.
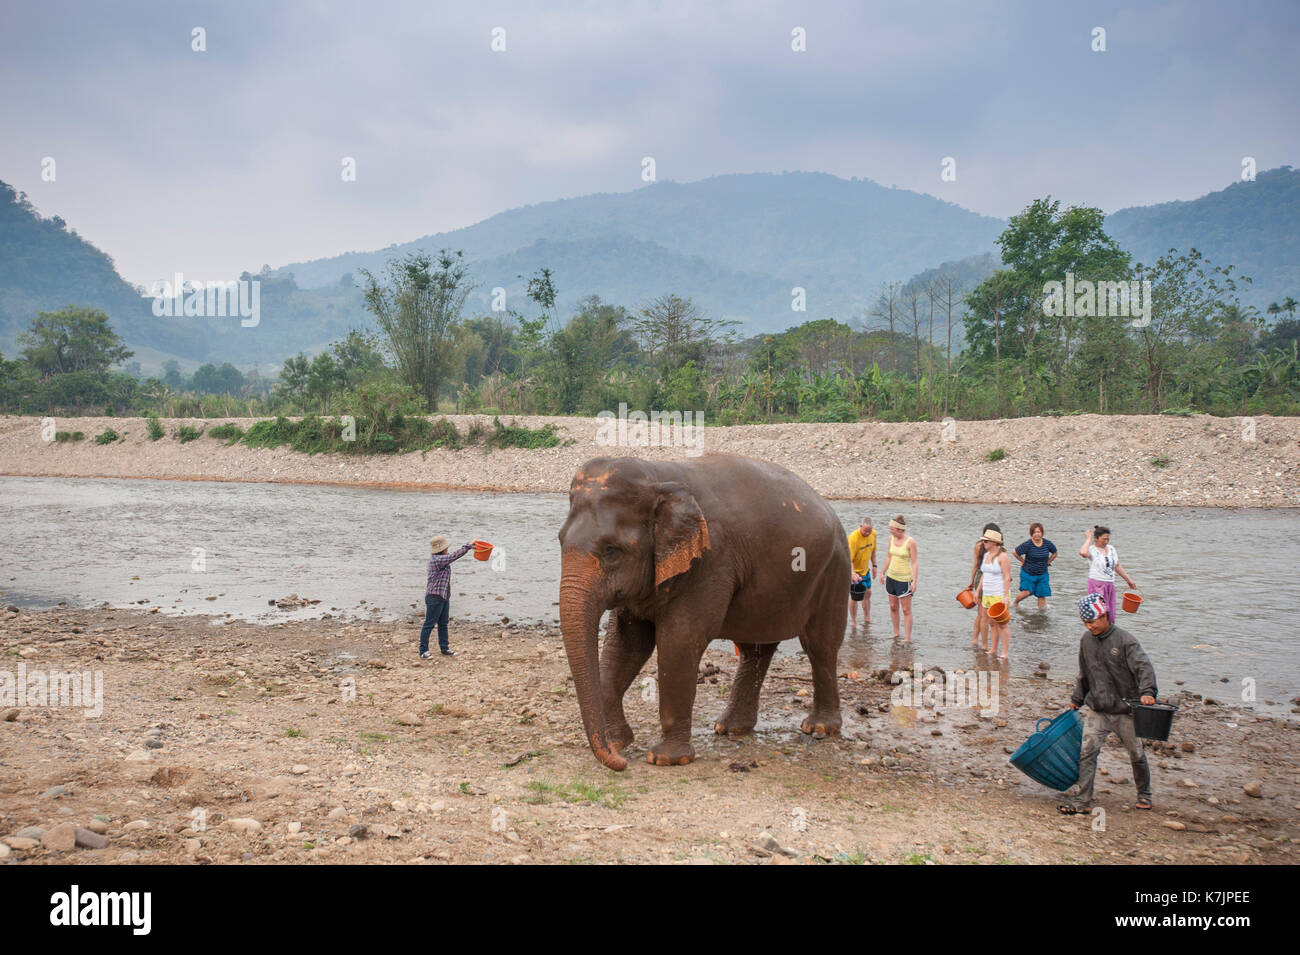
482	550
999	612
966	598
1131	601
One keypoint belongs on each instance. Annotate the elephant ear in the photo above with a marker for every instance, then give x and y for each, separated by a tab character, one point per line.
680	531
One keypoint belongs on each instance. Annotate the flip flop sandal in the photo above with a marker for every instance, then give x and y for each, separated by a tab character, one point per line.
1067	809
1143	803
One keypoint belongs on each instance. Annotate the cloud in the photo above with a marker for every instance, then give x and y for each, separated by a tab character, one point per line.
214	162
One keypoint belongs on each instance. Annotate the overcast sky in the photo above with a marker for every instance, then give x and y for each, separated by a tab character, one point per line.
218	161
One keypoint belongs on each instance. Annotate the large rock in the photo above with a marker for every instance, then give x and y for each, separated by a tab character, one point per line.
60	838
91	840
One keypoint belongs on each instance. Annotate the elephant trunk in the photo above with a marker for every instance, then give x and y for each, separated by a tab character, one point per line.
582	601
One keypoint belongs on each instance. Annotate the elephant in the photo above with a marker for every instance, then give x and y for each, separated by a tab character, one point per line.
683	553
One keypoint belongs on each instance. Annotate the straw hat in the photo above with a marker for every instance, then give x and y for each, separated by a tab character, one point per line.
439	543
992	535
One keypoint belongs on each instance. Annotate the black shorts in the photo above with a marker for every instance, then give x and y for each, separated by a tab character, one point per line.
897	588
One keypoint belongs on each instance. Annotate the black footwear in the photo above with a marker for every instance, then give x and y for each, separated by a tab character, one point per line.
448	653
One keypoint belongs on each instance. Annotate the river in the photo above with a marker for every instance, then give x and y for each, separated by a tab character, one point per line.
1219	584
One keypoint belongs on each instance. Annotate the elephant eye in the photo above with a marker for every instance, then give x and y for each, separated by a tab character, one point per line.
611	552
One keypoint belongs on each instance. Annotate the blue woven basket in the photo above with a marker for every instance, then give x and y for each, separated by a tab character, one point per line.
1051	755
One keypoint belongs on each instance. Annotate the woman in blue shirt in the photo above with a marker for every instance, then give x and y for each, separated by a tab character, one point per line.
1035	556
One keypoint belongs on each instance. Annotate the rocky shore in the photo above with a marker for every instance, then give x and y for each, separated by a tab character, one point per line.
220	741
1070	460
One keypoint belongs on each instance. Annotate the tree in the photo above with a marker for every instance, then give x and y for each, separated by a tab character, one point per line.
673	331
70	340
418	310
1189	302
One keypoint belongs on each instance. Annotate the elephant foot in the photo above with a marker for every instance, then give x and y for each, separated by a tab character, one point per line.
619	735
822	725
665	753
728	725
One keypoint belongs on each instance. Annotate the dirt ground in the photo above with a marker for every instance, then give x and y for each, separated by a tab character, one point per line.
1071	460
330	741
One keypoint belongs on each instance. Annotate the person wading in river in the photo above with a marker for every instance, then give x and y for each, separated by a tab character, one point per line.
1103	566
862	555
993	588
437	595
1113	668
1035	556
900	573
980	634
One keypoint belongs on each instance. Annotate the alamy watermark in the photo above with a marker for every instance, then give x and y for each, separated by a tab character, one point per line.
242	299
658	429
84	690
1086	299
934	688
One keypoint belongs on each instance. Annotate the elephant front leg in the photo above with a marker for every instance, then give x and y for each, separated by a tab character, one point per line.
679	665
742	711
628	645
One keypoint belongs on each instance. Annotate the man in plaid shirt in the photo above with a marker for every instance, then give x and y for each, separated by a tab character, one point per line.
437	594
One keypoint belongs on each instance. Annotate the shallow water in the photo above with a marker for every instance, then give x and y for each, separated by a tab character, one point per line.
1220	584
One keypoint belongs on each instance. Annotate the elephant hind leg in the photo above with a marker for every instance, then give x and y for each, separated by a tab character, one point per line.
825	633
742	711
628	645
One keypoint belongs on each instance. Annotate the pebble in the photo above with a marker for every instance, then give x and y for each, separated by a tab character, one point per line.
192	846
9	714
153	744
4	850
295	828
1254	789
135	825
1174	824
31	832
244	825
17	842
54	792
98	825
338	812
358	831
299	769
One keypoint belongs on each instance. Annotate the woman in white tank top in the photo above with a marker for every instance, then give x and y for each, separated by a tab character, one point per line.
994	585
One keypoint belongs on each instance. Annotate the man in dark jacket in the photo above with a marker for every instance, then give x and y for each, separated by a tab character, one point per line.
1113	668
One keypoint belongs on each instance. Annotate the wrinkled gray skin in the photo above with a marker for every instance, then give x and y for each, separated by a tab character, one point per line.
684	553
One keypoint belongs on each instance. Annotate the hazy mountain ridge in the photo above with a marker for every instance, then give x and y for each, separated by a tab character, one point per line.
736	244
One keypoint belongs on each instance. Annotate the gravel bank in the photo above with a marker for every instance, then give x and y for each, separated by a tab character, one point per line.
331	741
1081	459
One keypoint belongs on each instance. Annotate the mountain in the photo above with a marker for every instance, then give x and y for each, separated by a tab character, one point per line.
736	244
1252	225
45	266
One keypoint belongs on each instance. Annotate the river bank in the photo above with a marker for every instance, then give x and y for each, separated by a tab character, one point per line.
1077	459
330	741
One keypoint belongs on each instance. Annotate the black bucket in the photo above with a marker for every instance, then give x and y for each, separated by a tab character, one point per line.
1152	720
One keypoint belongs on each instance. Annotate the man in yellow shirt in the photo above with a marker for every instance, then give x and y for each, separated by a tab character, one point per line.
862	552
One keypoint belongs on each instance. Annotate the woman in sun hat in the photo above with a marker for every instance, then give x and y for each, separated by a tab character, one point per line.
980	633
994	586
